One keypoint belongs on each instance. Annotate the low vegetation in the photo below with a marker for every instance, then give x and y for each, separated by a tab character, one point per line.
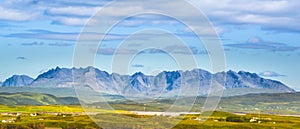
28	98
43	111
69	117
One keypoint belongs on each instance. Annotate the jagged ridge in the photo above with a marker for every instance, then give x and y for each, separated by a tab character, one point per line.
139	83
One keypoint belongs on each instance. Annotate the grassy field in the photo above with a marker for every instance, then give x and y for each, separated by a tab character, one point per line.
69	117
19	109
35	109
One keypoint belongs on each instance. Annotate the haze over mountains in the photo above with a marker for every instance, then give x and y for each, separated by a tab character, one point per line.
139	83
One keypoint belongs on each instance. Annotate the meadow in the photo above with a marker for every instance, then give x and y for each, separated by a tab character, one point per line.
25	110
70	117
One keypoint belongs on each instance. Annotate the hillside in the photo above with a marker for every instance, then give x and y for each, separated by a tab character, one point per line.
27	98
268	103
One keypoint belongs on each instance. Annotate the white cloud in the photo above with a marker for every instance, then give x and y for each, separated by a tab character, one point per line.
49	35
73	10
269	14
270	74
15	15
72	21
276	15
259	43
255	40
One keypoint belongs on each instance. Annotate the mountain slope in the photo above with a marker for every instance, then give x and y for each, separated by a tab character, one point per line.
244	79
18	80
27	98
58	77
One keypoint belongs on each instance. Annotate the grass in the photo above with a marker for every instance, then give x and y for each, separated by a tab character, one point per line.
252	104
111	118
34	109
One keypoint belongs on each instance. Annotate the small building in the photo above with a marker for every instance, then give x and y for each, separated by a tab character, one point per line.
254	119
11	120
33	114
10	114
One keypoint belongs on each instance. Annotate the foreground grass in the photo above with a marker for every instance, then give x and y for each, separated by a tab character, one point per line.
34	109
73	116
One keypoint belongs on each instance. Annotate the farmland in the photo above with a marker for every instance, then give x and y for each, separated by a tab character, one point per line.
40	111
68	117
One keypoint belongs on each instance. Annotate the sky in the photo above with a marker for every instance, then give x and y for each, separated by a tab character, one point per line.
259	36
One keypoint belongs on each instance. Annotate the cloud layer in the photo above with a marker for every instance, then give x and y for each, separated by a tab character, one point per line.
137	66
72	36
21	58
275	15
171	49
259	43
270	74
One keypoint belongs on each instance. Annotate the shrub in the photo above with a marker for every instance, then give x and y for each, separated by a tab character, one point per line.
237	119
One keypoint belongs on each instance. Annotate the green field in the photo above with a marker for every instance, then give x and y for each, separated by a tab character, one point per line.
69	117
265	110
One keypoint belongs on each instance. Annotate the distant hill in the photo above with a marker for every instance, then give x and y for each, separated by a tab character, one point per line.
252	99
18	80
27	98
166	82
270	103
267	103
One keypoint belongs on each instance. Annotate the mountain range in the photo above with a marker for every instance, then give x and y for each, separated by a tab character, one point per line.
167	82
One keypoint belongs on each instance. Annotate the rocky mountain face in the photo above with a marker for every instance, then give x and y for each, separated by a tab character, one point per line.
139	83
18	80
244	79
58	77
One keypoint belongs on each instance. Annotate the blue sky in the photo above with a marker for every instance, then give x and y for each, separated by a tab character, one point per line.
257	36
